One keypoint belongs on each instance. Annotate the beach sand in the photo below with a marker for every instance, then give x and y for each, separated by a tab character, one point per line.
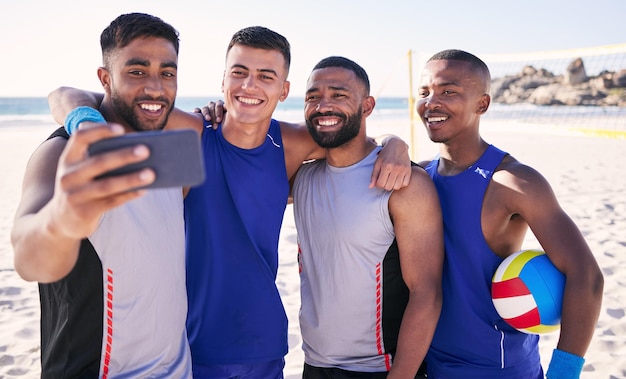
587	174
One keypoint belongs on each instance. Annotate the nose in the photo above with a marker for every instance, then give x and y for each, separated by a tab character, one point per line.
324	105
431	102
154	86
248	83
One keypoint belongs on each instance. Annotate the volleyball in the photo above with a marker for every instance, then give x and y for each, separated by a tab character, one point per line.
527	292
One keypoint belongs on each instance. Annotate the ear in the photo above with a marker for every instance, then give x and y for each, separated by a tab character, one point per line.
285	91
368	105
105	79
483	103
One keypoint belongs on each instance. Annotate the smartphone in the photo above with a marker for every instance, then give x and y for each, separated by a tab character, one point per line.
175	156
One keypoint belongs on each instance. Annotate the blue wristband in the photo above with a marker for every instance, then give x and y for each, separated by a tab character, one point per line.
564	365
81	114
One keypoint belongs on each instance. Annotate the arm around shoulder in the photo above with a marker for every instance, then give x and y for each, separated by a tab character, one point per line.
64	99
179	119
299	146
392	169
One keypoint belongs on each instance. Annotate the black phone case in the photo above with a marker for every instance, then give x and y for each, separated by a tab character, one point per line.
175	156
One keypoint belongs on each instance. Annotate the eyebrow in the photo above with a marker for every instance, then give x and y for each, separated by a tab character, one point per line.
334	88
236	65
146	63
448	84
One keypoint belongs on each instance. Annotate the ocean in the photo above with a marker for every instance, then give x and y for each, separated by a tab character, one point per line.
16	111
35	110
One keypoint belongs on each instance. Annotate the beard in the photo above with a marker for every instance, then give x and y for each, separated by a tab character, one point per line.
126	112
329	140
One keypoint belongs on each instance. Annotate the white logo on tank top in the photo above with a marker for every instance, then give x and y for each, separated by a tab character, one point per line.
482	172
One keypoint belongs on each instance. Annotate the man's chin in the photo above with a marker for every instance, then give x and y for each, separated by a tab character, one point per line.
151	125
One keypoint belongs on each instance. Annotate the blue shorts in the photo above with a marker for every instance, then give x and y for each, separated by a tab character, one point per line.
266	370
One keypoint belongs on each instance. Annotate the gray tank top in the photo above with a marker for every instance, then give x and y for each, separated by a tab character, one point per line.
141	245
344	234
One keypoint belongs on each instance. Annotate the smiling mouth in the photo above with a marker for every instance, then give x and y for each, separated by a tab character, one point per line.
436	119
151	107
249	101
327	122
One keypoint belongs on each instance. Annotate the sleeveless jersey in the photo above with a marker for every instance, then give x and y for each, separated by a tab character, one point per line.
471	340
353	295
233	223
126	296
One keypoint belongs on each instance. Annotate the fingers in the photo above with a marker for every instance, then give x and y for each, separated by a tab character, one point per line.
206	113
78	172
390	178
214	111
219	111
77	145
81	195
375	176
82	198
103	194
84	184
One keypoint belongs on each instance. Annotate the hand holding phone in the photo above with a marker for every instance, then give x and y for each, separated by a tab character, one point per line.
175	156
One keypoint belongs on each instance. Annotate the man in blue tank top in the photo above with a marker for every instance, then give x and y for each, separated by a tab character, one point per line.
236	321
489	200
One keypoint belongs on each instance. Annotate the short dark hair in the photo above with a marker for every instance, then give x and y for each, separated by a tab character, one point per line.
260	37
463	56
128	27
341	62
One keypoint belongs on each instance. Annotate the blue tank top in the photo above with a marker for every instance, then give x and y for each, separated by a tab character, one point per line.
471	340
233	223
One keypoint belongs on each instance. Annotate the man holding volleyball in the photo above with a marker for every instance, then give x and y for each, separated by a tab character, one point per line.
489	200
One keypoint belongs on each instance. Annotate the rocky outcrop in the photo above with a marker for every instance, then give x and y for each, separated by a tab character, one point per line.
541	87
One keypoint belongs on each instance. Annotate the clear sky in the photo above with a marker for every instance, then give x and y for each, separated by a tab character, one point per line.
45	44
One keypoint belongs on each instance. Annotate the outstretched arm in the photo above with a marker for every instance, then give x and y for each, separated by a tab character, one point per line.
62	202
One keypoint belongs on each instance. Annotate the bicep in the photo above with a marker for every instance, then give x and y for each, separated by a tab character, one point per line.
556	232
39	177
418	226
299	146
535	201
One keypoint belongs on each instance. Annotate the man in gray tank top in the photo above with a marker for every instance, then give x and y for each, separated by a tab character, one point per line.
109	259
371	259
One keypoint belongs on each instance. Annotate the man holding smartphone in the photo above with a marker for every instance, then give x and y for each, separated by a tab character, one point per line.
109	258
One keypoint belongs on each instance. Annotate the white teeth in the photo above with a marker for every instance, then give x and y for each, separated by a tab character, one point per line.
246	100
437	119
151	107
327	122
